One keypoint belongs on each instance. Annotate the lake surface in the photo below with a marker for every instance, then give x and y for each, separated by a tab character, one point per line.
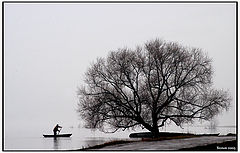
33	140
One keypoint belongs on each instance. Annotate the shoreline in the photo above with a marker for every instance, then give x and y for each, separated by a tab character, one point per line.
224	143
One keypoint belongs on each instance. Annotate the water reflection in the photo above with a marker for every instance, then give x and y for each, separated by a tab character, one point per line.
55	143
61	143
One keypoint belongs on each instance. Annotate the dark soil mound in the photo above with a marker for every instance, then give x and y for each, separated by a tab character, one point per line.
166	134
161	134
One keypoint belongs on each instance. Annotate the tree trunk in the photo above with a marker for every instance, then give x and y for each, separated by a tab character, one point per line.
155	132
153	129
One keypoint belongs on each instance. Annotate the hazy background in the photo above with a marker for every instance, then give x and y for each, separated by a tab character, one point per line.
48	47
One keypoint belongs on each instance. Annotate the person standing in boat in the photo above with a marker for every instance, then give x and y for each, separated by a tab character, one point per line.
56	129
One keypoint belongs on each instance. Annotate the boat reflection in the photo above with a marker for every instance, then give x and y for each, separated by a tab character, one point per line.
56	143
61	143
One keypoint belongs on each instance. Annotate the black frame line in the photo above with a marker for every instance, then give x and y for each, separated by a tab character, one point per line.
120	2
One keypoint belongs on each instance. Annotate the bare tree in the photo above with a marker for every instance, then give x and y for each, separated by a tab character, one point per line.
149	85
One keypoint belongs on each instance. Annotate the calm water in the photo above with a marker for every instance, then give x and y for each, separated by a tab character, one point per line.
30	140
83	138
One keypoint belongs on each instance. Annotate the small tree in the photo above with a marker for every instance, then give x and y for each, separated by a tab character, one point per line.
149	85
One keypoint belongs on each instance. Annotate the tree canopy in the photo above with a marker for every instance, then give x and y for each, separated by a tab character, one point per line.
149	85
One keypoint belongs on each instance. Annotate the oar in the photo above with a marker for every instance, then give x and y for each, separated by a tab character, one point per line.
60	130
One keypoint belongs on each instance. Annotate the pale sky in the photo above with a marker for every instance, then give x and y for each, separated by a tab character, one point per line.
48	48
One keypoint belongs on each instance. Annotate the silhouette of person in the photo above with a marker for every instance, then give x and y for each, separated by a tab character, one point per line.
56	129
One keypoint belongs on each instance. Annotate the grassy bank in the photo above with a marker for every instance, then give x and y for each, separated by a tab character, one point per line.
116	142
225	146
110	143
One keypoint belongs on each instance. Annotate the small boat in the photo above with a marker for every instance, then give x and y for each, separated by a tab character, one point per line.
58	135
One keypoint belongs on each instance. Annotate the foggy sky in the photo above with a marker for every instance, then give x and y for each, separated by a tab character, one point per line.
48	48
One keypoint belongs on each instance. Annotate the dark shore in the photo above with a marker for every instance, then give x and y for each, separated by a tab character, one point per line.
224	146
228	145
